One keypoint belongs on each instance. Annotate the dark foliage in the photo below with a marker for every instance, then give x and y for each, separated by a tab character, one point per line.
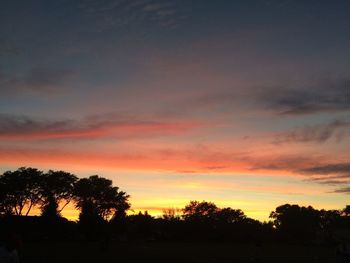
103	215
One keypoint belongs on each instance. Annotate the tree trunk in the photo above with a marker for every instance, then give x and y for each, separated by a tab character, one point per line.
30	207
59	211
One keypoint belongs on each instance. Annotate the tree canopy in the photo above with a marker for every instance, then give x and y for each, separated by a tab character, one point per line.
98	193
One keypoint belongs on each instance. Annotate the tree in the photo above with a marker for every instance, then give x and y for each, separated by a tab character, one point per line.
171	214
346	210
229	216
200	211
49	209
6	207
297	222
20	190
56	188
96	196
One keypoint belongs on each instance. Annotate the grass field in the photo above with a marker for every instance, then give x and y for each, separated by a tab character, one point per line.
173	252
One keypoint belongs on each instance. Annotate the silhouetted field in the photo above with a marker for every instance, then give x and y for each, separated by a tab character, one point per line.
173	252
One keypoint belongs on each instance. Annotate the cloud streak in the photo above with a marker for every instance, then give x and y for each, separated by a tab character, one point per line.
337	168
109	126
338	129
344	190
325	97
122	13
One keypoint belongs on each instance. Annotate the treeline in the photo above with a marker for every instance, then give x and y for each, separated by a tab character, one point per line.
103	215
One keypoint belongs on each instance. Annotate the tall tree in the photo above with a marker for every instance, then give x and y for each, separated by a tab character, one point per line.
56	189
21	190
97	196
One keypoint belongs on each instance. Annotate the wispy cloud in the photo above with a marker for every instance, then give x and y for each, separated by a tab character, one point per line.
336	168
330	96
338	129
344	190
116	126
121	13
320	170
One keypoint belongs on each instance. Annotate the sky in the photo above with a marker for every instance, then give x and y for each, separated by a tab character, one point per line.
242	103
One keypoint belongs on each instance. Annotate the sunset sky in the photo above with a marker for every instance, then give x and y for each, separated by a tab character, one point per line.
242	103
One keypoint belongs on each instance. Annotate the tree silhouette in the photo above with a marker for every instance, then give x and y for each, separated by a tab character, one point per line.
56	187
97	196
346	210
229	216
171	214
20	190
297	222
200	211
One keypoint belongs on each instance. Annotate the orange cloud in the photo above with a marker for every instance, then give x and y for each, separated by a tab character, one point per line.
151	159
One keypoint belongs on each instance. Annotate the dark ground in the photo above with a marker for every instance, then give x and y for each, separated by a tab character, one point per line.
65	252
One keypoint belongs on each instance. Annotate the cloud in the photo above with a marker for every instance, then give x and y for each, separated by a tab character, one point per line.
315	169
310	166
109	126
336	168
338	129
331	174
41	80
344	190
336	174
330	96
121	13
288	163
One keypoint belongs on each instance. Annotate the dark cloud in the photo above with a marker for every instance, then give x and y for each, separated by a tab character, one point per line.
338	129
328	174
21	125
121	13
333	182
103	126
325	97
42	80
314	169
344	190
337	168
291	163
333	177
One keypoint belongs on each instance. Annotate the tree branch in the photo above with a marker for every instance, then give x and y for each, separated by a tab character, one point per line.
59	211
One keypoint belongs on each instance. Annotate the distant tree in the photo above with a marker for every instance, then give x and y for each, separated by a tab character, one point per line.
142	224
200	211
20	190
96	196
329	218
171	214
229	216
330	223
346	210
56	189
297	222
